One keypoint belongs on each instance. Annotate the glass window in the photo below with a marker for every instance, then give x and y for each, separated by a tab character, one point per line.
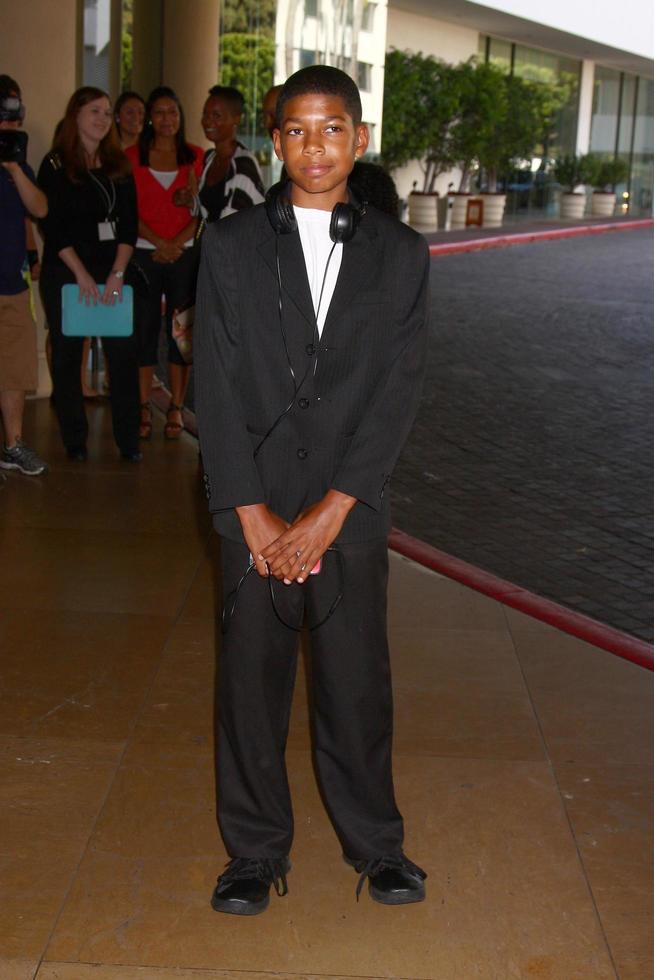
499	53
310	8
364	73
307	58
642	173
627	108
368	17
246	57
563	75
606	102
97	37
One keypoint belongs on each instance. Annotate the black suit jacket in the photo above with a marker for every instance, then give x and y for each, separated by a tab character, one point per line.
360	382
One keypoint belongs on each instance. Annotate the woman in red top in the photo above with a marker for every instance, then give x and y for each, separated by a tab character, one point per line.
162	163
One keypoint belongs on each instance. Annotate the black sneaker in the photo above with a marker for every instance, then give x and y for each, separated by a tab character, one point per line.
392	879
21	457
244	888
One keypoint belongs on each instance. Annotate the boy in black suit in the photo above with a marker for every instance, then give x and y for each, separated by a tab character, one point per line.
311	336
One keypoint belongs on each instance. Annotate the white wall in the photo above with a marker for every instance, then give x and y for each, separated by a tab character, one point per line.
412	32
627	25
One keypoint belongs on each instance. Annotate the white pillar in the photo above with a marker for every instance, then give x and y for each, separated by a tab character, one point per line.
584	121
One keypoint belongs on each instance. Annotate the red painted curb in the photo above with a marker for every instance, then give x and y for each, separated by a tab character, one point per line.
598	634
528	237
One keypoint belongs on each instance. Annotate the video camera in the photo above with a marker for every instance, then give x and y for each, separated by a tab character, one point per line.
13	142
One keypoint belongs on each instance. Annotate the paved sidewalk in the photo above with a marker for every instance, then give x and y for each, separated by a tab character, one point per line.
532	456
522	761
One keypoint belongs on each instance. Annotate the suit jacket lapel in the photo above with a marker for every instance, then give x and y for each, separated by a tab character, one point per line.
358	267
295	283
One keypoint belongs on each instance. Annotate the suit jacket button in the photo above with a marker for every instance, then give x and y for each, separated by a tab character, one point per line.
303	403
302	454
310	349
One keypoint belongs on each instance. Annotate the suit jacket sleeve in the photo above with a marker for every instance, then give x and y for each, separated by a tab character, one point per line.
231	476
367	466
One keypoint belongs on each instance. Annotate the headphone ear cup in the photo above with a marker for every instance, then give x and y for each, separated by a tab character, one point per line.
280	211
344	223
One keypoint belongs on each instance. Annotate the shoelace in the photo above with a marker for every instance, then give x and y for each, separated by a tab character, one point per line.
270	870
398	862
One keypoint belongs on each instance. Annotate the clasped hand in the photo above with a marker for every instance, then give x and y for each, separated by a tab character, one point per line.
290	551
89	292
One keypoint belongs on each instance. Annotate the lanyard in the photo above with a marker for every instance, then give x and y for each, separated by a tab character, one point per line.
108	198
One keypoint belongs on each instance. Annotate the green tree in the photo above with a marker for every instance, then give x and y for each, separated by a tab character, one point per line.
522	116
248	16
482	109
420	104
247	62
126	52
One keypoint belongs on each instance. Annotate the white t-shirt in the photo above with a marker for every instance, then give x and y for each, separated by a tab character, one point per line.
313	226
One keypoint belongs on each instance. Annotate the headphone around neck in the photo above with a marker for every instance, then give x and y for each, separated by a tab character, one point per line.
344	222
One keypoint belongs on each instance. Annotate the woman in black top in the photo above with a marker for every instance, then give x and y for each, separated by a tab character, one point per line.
89	235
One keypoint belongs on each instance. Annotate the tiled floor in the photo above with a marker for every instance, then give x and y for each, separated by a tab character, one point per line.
522	757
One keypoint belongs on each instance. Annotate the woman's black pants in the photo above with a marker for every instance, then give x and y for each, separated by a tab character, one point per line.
352	704
177	281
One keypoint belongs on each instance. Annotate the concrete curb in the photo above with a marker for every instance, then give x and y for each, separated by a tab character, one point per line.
529	237
598	634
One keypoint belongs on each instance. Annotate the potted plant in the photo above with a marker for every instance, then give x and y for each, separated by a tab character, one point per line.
429	87
609	173
567	173
520	112
481	105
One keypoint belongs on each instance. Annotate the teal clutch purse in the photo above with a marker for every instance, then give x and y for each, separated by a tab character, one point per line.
80	320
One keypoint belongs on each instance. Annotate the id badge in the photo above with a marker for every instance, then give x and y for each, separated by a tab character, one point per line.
106	231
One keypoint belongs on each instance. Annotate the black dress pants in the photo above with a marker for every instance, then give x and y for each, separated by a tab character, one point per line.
352	704
121	355
177	281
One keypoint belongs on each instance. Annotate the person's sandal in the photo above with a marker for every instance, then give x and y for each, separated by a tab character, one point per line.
173	430
145	426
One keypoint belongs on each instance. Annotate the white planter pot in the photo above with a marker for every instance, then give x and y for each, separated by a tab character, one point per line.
423	212
459	210
603	204
573	205
494	205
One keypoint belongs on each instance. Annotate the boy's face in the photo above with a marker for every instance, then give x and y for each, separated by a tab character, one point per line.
318	142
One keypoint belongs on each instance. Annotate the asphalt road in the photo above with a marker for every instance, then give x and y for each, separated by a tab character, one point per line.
532	453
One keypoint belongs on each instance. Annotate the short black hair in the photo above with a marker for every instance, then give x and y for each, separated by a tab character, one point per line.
232	96
374	185
9	86
321	80
126	97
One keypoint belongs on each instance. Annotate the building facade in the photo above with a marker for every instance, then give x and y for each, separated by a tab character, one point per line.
600	53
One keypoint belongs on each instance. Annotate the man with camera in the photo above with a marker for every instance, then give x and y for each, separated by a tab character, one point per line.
19	198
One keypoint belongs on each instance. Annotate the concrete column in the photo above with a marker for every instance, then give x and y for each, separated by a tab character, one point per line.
585	106
190	56
38	47
147	40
